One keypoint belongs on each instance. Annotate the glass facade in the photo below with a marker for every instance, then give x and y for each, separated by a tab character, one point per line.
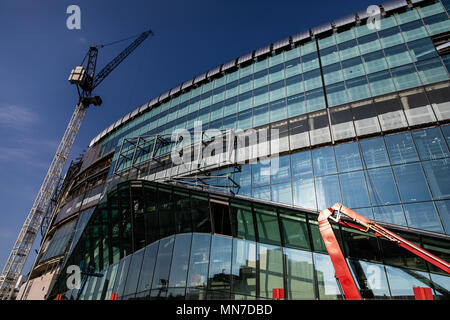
266	247
363	120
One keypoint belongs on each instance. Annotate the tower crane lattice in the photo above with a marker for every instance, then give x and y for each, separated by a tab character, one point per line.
85	80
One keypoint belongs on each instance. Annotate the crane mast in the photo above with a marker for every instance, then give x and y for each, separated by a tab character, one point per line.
85	80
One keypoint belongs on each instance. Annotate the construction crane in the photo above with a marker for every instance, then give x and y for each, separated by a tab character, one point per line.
356	221
86	80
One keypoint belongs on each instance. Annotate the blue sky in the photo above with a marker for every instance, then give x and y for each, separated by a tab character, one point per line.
37	52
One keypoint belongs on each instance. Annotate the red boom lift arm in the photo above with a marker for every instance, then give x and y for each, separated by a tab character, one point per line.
342	271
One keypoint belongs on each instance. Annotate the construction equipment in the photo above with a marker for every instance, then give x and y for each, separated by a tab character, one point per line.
86	81
342	271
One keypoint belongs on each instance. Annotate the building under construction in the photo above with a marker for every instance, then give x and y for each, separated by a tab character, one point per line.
344	112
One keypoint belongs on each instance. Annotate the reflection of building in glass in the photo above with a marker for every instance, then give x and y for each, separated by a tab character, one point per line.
362	119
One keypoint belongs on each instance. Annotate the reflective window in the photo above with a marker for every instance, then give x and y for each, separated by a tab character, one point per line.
369	43
121	277
411	183
441	286
148	265
438	177
267	222
299	274
327	191
310	61
199	260
405	77
301	165
390	37
422	49
381	83
326	281
282	193
402	282
431	71
348	49
183	221
347	157
220	264
401	148
336	94
358	88
371	279
243	270
162	267
381	186
329	55
180	260
430	144
374	62
360	245
166	214
333	74
296	105
437	24
280	169
413	30
312	79
242	221
294	229
352	68
304	193
133	273
200	213
323	160
397	56
374	153
423	215
270	260
444	212
260	115
354	189
390	214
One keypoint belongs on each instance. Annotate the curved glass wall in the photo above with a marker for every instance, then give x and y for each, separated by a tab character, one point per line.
248	250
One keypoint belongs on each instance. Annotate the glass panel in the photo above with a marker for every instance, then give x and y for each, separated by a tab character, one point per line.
441	285
422	49
437	24
405	77
301	164
347	157
299	274
381	185
270	270
310	61
411	183
431	71
133	273
312	79
348	49
390	214
402	281
397	56
304	193
267	222
444	212
162	267
329	55
244	267
374	62
262	193
326	281
401	148
327	191
315	100
381	83
374	153
294	85
183	221
278	110
198	265
333	74
200	213
166	214
358	88
390	37
282	193
294	229
242	221
220	265
336	94
323	160
423	216
352	68
430	144
369	43
296	105
354	190
148	265
180	260
293	67
371	279
413	30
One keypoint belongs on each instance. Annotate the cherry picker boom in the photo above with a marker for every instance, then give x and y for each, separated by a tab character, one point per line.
342	271
86	80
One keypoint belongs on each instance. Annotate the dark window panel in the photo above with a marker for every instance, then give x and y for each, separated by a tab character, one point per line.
162	267
148	266
200	213
180	260
267	222
242	221
221	218
294	229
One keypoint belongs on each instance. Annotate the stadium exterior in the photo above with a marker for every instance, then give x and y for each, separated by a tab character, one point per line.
345	112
